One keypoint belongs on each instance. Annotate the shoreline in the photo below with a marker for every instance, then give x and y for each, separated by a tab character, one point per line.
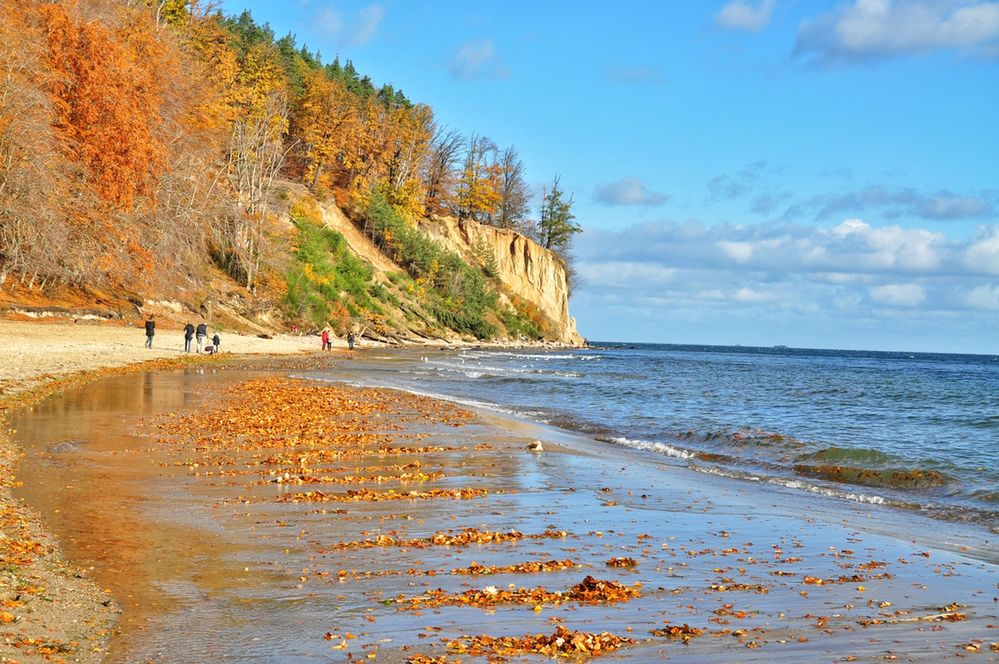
37	360
682	532
785	588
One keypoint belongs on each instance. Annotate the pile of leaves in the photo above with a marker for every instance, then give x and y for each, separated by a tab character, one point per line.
621	562
589	591
367	495
562	643
682	632
533	567
465	537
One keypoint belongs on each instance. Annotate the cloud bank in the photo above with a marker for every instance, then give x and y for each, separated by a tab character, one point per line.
852	267
873	29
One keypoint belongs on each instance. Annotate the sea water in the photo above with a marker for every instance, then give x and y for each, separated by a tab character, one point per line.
916	431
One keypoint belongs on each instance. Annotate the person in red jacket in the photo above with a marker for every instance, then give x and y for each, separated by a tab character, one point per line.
326	338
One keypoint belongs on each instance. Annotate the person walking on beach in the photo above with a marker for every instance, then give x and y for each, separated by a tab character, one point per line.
188	335
201	333
350	340
150	331
216	341
326	339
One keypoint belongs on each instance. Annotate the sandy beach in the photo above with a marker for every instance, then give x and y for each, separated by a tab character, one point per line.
51	610
255	517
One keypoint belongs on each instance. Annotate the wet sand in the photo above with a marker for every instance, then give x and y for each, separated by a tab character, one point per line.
213	559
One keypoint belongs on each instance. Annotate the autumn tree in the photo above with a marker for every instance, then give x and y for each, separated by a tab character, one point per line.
438	172
32	186
326	123
513	207
477	192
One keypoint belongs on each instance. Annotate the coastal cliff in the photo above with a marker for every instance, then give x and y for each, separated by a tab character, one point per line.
528	278
526	269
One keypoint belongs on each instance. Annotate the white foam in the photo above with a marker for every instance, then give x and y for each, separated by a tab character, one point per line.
651	446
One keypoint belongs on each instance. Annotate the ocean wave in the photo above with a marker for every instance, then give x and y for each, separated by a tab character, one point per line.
872	499
848	454
651	446
740	438
916	478
539	356
486	370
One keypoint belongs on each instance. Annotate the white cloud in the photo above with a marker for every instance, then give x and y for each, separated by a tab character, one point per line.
982	255
899	202
742	15
740	252
628	191
880	28
477	59
350	29
899	295
623	273
854	268
985	296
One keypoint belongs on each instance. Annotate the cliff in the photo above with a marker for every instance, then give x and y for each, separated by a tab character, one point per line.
527	270
528	277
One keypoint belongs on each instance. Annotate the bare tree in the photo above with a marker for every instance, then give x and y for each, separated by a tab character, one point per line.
445	152
513	207
256	152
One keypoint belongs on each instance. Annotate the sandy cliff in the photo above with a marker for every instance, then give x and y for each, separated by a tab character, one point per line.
526	269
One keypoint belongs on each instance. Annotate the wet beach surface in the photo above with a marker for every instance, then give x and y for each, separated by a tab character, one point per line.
213	559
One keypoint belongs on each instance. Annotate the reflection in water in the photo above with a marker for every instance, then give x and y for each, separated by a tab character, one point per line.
117	502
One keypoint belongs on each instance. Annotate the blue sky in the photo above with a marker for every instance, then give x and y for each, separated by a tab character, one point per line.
810	173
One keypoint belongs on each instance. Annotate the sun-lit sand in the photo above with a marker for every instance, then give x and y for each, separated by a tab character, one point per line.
256	517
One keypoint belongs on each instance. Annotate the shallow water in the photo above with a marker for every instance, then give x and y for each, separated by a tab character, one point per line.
918	431
204	575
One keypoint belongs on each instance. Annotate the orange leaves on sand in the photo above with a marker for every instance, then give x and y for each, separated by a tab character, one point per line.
589	591
621	562
816	581
533	567
324	422
682	632
562	643
465	537
356	495
728	585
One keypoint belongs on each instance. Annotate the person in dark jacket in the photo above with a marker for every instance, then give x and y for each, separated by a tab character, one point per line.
188	335
350	340
150	331
216	342
201	333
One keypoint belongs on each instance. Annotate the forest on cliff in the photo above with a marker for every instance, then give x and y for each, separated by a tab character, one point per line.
144	143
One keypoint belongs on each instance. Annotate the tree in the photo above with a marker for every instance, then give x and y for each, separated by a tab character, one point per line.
555	224
478	194
326	123
438	175
513	208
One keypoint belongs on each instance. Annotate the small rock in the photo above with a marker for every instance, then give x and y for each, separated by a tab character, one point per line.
535	446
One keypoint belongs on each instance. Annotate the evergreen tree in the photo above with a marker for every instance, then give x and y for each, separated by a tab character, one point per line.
555	225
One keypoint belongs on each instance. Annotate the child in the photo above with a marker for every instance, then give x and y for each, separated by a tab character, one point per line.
216	342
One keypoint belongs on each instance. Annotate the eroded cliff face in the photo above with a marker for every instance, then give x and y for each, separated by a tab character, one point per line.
527	270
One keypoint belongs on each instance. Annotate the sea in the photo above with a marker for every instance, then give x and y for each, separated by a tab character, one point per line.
913	431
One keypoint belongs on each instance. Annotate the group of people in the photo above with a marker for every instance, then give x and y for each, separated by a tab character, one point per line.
200	333
327	338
